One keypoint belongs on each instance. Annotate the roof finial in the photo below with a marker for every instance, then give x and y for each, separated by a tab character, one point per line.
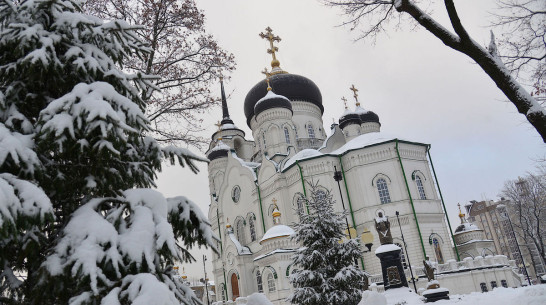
353	88
461	215
344	102
268	35
225	112
267	76
219	125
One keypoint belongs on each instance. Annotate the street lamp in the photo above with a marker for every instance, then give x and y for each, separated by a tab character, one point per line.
407	254
206	279
504	215
338	177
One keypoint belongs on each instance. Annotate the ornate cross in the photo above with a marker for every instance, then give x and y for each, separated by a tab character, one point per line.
274	201
271	38
355	94
267	76
344	101
218	125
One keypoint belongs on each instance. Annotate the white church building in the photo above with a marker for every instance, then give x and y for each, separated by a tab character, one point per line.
256	185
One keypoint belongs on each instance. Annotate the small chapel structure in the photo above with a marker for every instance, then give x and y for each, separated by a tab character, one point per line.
257	186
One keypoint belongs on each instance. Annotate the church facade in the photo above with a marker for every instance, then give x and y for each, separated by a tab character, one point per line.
257	186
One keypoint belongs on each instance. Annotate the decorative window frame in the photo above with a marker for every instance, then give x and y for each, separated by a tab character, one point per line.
252	225
420	190
309	127
377	191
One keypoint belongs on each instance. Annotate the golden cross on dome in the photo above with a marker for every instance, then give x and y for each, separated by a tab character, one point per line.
271	38
267	76
355	94
218	125
344	102
274	201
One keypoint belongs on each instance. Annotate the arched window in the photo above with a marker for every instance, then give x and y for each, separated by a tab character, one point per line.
286	135
271	283
311	131
241	231
420	187
252	228
259	281
438	250
383	190
296	132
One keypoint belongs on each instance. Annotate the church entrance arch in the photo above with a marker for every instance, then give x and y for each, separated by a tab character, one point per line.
234	286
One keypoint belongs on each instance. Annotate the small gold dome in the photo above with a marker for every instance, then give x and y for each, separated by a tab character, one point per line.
276	213
228	226
184	276
275	63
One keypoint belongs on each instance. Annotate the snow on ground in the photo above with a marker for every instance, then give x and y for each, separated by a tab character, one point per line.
532	295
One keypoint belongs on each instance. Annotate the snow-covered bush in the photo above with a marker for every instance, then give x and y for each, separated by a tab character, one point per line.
76	225
325	272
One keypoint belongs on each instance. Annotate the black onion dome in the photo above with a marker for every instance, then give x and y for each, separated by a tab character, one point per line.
292	86
272	100
369	116
348	119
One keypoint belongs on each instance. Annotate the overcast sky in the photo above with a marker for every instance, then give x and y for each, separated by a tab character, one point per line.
421	90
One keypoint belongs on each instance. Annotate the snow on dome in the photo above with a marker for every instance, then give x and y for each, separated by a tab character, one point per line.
465	227
360	110
302	155
269	96
220	146
277	231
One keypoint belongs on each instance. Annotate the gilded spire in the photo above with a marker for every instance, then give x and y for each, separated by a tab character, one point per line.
355	94
268	35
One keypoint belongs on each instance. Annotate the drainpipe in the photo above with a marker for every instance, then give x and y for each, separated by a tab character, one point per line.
411	200
303	184
350	205
443	204
221	249
260	200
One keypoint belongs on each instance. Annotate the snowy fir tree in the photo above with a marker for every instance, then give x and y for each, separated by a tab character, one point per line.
325	271
78	224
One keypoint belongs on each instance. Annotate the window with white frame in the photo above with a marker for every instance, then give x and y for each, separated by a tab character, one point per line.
310	131
259	281
271	283
286	135
252	227
383	190
241	231
420	187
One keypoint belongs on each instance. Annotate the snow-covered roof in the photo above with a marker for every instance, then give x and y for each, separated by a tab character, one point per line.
364	140
361	141
277	231
274	252
302	155
241	250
